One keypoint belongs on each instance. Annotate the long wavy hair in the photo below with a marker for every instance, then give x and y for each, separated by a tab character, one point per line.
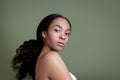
24	61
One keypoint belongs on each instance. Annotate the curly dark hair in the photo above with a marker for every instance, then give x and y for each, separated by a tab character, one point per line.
26	56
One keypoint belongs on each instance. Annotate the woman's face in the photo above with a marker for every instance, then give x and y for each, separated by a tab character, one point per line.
57	35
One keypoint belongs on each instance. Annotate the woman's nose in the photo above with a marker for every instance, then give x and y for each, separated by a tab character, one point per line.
62	36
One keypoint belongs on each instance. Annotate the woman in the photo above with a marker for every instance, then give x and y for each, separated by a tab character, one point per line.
39	59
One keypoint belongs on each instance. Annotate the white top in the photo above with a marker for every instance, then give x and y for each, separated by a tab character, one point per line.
73	77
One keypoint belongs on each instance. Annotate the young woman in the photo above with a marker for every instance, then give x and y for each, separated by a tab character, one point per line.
39	59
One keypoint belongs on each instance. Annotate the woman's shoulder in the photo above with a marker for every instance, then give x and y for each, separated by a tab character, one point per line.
52	57
56	66
46	61
49	57
53	64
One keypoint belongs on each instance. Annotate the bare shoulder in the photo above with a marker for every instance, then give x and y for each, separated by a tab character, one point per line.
52	66
56	67
49	59
52	57
44	64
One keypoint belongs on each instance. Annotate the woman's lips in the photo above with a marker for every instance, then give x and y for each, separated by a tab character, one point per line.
61	44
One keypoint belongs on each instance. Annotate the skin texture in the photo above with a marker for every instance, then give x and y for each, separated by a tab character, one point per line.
50	65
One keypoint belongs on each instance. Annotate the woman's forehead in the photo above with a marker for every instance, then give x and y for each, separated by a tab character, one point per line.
61	23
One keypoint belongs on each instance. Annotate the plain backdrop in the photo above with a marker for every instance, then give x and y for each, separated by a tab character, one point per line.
93	51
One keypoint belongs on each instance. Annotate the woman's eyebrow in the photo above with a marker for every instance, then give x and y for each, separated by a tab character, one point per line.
61	27
58	26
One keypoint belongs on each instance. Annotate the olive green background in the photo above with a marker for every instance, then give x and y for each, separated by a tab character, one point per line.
93	51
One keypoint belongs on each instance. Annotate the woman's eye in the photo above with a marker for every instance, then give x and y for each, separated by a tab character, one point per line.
56	30
67	34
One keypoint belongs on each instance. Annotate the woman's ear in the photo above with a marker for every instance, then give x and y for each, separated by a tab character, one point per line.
44	34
